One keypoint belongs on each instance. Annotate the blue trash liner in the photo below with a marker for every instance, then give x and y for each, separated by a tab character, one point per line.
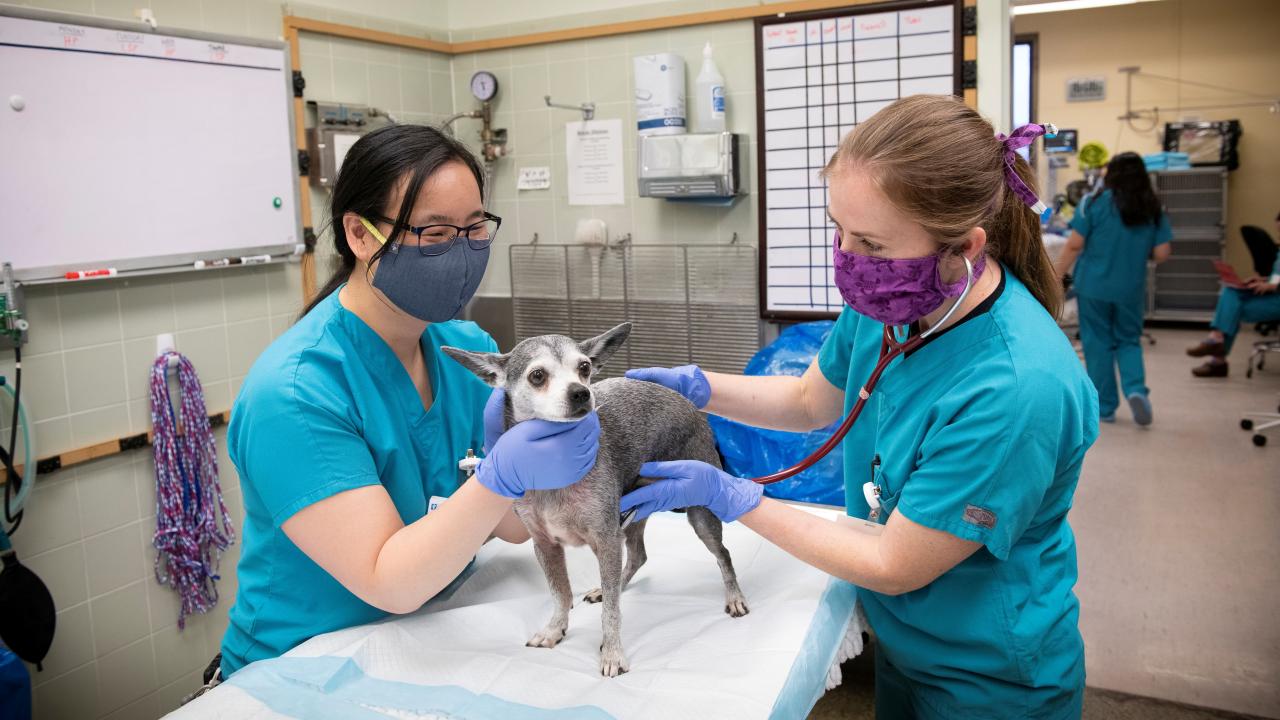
753	452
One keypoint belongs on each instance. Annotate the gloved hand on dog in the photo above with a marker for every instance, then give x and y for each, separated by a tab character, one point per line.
493	418
536	454
688	483
688	380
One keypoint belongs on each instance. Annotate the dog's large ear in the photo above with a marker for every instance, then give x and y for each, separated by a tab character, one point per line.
601	347
489	367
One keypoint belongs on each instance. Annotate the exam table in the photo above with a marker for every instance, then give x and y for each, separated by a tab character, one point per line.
463	654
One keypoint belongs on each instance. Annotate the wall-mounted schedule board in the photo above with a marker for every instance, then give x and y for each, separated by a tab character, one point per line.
819	75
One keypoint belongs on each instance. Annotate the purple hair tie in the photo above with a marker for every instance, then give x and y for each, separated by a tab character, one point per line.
1011	144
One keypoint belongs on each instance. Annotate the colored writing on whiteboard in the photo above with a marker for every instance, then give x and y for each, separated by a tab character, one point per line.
81	274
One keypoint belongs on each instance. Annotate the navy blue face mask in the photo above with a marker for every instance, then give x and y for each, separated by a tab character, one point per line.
432	288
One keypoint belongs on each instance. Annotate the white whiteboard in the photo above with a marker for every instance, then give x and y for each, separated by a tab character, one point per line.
819	78
138	149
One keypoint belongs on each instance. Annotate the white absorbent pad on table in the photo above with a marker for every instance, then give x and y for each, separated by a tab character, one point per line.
463	655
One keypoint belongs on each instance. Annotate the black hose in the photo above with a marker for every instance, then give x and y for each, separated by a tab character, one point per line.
14	481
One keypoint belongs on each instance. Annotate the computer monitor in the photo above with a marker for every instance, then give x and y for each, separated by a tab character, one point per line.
1063	143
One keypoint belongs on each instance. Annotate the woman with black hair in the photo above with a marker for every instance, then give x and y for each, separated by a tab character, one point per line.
351	421
1114	233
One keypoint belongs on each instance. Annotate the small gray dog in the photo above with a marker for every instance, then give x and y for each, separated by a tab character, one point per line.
549	377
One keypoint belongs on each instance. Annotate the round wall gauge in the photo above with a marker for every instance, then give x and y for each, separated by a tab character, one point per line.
484	85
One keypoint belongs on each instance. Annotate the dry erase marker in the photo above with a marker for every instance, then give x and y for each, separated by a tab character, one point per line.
255	259
220	262
81	274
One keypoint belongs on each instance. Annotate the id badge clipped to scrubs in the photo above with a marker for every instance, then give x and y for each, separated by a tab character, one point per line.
872	495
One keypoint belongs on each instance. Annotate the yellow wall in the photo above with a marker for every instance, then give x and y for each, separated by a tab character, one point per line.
1230	43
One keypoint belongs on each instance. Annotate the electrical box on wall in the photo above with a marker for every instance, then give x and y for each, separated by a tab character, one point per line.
688	165
337	129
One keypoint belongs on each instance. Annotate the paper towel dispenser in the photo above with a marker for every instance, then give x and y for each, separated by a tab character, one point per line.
689	165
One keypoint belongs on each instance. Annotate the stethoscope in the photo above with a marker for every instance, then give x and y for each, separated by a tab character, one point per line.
890	349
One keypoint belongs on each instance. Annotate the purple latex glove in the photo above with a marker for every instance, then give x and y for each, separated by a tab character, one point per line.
493	418
540	455
688	380
690	483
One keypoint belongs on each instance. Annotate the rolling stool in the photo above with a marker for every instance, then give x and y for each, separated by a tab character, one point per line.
1271	420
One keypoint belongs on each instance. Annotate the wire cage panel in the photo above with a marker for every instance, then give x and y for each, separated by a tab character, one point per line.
687	303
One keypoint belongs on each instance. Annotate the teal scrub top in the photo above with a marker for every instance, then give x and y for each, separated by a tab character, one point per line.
327	408
1113	264
980	433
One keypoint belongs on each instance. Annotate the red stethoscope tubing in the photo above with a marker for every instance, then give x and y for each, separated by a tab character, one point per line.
890	349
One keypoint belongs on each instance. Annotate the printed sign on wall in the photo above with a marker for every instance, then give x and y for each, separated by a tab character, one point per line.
1086	89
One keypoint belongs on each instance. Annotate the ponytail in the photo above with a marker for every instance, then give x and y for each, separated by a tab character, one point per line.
1013	238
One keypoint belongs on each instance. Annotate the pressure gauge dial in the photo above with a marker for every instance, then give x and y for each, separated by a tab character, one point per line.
484	86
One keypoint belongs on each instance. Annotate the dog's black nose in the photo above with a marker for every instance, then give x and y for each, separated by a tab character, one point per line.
579	395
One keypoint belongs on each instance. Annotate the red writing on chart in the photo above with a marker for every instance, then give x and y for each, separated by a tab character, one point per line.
129	42
170	47
71	35
845	26
912	19
880	24
217	53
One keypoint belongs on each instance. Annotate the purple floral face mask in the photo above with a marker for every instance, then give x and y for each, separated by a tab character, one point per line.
894	292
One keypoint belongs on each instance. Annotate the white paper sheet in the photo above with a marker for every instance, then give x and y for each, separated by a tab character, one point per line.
533	178
594	159
342	143
688	658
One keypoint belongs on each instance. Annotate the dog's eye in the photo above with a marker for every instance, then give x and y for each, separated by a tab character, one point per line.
537	377
584	368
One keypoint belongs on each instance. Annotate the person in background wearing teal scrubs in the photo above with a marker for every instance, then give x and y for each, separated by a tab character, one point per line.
350	422
1113	235
971	446
1257	301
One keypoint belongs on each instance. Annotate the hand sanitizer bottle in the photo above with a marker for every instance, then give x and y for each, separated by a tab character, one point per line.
710	93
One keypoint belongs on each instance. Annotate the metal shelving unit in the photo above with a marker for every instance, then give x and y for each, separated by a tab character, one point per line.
1186	286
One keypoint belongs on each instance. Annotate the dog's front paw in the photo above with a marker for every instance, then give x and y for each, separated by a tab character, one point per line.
547	637
613	662
594	596
736	606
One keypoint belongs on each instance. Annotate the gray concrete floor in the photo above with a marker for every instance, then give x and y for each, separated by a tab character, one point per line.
1178	527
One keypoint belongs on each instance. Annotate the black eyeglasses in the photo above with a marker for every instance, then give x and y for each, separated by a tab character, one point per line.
438	239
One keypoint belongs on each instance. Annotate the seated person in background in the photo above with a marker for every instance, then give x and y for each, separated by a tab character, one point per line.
1258	301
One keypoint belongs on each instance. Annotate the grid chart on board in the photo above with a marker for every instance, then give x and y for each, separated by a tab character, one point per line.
820	78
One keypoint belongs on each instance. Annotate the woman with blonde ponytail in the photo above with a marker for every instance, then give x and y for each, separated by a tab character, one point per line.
969	449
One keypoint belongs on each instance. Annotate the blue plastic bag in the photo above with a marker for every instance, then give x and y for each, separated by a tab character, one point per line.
15	687
752	452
